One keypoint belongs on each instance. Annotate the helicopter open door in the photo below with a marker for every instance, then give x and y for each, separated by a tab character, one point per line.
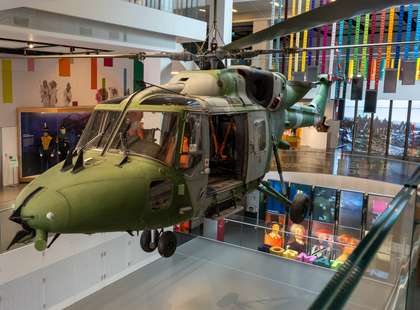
258	145
194	158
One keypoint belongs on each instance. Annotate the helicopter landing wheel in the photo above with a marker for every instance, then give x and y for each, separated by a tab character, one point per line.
149	240
167	244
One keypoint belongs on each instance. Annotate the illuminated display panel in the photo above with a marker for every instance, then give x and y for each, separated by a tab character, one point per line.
272	204
323	204
350	213
376	206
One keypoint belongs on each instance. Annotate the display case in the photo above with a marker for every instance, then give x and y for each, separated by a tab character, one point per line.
46	136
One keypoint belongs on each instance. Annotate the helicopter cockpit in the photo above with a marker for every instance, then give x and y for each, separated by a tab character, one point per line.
148	134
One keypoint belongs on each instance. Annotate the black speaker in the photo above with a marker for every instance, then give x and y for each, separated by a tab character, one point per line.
340	104
371	99
390	81
357	88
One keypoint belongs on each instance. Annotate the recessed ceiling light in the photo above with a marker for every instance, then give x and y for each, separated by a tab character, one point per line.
202	10
174	72
234	10
31	45
275	3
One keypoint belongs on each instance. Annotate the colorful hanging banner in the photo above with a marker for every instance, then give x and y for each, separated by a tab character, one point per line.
417	45
363	68
356	50
379	58
64	67
399	38
103	83
390	35
371	41
325	30
138	74
7	80
290	66
297	41
311	33
332	52
349	35
305	38
94	73
125	90
30	65
108	62
408	31
318	38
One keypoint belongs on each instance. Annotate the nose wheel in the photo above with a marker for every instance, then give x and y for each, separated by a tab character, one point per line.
164	241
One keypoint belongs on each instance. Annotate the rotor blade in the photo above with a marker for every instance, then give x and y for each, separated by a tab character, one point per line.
328	14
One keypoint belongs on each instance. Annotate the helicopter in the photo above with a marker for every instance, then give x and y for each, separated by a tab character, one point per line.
191	148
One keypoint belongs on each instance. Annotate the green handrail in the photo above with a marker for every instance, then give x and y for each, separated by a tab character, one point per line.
339	289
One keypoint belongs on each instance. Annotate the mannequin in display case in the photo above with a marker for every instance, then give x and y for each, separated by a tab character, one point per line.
63	145
46	150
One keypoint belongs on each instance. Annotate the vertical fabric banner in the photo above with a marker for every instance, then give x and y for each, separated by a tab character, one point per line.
64	67
30	65
138	75
332	52
125	90
390	35
108	62
363	68
103	83
408	31
94	73
371	41
305	39
399	38
417	45
356	50
299	11
311	32
379	59
7	81
290	65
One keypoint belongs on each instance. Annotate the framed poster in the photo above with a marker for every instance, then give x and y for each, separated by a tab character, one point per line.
46	136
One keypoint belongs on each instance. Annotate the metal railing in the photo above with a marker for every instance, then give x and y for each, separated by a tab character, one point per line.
393	230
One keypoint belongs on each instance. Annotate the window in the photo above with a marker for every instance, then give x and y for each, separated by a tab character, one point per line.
150	134
192	142
414	131
380	128
98	129
260	134
398	127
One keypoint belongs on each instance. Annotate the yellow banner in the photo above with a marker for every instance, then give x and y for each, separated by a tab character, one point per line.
305	38
418	69
390	33
7	82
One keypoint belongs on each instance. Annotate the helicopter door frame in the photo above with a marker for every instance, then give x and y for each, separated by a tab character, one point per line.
258	145
197	173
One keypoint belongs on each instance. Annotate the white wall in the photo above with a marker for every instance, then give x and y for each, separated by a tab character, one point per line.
26	85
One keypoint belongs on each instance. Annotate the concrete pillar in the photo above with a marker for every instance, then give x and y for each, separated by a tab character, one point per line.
223	21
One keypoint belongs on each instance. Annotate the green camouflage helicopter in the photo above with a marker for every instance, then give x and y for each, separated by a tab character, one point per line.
191	148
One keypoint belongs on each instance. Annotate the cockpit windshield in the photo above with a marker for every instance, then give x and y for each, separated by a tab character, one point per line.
98	129
151	134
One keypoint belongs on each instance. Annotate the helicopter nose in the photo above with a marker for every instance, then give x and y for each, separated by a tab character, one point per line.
47	211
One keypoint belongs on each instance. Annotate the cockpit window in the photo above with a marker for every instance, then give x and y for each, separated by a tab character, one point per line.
98	129
151	134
